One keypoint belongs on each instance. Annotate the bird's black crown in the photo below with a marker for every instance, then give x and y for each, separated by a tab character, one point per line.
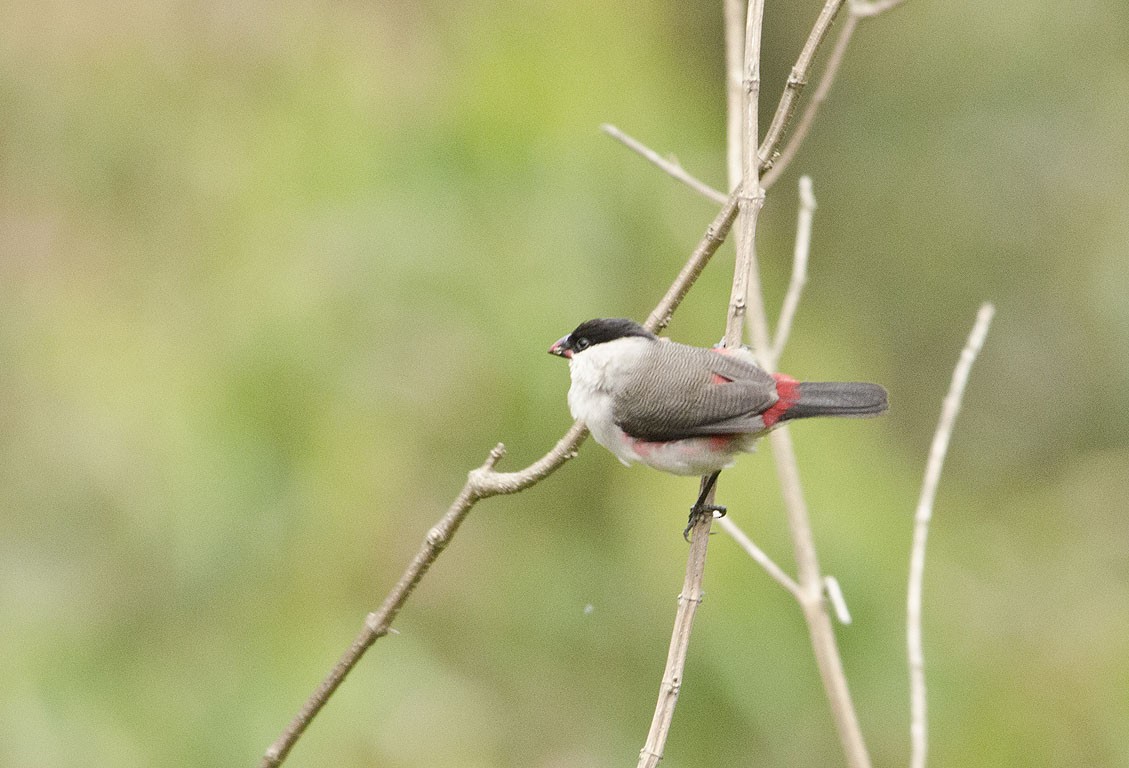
604	329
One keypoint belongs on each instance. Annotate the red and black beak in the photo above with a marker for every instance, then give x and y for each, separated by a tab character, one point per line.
561	348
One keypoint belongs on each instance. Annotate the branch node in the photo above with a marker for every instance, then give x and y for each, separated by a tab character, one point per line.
376	626
436	537
496	454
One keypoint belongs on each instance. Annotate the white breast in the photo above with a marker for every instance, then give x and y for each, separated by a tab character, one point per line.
597	373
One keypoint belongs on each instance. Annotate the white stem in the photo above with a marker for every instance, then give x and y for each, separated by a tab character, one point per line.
804	218
937	451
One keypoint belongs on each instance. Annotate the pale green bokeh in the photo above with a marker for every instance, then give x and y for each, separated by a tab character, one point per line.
274	276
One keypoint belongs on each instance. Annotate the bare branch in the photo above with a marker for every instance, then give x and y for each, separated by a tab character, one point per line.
688	601
936	462
830	72
809	576
745	277
820	629
799	269
758	554
734	90
672	167
483	483
715	235
858	10
797	79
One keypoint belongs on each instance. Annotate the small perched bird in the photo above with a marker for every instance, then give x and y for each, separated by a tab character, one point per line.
688	410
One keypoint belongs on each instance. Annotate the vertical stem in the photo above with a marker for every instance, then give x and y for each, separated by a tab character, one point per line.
799	269
820	628
936	462
734	89
746	283
688	601
747	300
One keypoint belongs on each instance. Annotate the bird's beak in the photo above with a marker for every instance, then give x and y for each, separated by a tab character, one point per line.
560	349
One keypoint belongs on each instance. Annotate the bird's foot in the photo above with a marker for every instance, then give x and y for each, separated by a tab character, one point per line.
697	511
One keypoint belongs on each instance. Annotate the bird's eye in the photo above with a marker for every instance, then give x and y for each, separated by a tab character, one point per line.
581	344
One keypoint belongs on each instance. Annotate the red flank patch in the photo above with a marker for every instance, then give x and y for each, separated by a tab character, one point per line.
788	390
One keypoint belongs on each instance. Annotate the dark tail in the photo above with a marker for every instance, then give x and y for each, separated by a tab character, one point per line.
837	398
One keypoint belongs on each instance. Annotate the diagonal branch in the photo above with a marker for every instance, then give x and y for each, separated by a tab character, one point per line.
799	269
936	462
857	10
482	483
826	80
691	595
672	167
688	601
761	558
797	79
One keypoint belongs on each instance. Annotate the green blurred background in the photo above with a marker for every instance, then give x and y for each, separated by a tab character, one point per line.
274	276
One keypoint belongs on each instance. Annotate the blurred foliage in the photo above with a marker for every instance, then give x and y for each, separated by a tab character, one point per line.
274	276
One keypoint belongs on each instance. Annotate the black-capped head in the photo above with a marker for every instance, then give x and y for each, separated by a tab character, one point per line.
598	331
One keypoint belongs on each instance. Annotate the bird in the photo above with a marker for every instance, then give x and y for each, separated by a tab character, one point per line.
688	410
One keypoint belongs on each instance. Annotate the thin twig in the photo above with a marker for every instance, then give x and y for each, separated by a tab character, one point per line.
745	276
799	269
734	17
483	483
857	10
758	554
940	446
826	80
688	601
715	235
797	79
672	167
652	751
820	629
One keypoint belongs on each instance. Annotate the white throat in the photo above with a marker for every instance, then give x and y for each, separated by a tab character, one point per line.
597	373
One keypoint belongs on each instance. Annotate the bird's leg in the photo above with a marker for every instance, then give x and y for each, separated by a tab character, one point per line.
701	507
